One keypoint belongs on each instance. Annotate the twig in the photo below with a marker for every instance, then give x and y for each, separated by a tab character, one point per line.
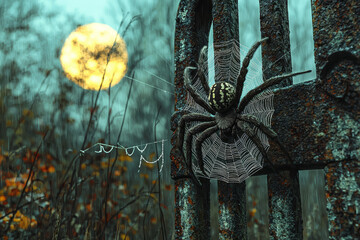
26	183
163	227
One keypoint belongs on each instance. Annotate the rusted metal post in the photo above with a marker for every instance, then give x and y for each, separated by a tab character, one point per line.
336	39
285	221
232	197
274	23
192	204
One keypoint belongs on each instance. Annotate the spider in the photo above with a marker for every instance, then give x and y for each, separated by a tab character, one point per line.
225	110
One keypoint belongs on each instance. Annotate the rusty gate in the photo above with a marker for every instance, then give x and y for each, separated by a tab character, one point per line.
317	121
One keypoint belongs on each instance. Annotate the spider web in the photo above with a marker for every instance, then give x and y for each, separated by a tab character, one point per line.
231	162
129	151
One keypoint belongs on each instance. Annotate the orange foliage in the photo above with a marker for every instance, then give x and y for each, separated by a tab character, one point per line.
83	166
124	237
47	169
144	175
20	221
2	158
252	212
27	113
125	158
153	220
88	207
117	173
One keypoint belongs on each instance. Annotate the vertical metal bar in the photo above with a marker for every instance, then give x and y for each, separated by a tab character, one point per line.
192	205
336	28
276	55
342	184
284	206
225	22
232	211
285	220
232	197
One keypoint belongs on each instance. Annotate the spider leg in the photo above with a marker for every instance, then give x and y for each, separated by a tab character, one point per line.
188	118
189	136
268	83
266	130
255	139
197	98
255	121
243	71
200	139
201	73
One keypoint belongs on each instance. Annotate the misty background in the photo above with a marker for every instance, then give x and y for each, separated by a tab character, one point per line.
32	34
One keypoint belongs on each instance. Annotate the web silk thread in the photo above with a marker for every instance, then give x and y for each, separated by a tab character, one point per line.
141	150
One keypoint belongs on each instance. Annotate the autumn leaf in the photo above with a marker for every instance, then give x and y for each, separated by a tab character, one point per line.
2	158
122	169
51	169
163	206
41	133
124	237
144	175
19	131
149	165
14	192
2	198
151	156
168	187
252	212
153	220
8	123
105	163
27	113
88	207
49	157
153	196
48	169
125	158
83	166
117	173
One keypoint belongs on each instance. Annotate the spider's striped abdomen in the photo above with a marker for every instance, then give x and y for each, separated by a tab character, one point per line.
221	96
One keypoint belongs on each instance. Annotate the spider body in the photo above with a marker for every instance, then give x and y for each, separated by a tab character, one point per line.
225	120
224	110
222	96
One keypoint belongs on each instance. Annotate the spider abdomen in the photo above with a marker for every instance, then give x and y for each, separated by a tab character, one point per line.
221	96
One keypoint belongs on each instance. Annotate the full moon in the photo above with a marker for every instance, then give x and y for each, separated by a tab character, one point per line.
92	54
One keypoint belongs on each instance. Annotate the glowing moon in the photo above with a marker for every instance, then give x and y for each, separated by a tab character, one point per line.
84	56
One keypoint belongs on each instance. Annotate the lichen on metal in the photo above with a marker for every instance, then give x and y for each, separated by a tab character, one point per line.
344	139
192	207
232	211
336	28
343	199
284	206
